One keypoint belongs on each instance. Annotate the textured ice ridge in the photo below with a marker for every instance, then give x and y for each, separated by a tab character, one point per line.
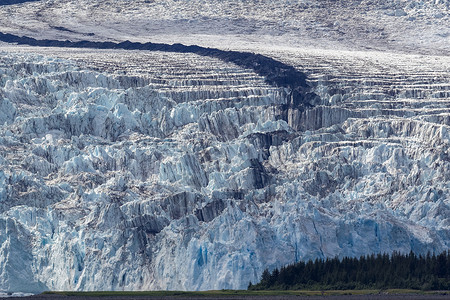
196	174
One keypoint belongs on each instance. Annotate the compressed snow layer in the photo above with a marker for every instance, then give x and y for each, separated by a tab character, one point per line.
139	170
410	26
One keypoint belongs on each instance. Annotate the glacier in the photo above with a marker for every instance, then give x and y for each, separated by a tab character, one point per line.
149	170
406	26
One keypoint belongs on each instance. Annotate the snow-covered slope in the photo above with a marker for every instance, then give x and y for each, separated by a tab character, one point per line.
155	170
403	25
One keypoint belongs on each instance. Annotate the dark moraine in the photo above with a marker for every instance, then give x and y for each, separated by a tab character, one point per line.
11	2
275	72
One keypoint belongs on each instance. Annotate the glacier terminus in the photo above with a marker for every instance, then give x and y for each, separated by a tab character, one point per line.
155	170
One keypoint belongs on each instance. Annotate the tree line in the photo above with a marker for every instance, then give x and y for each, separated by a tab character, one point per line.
381	271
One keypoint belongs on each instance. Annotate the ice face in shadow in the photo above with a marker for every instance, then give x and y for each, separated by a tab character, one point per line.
135	171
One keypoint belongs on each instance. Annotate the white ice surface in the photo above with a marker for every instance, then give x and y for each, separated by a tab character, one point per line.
135	170
401	25
154	172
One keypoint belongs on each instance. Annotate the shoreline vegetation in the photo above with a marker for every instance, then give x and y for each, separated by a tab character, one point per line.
379	272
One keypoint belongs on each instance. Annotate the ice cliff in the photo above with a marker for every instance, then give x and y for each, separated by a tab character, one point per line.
124	170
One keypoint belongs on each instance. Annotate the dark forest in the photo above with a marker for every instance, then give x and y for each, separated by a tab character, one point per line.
381	271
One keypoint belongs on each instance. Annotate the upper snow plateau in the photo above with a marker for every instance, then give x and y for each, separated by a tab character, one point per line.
139	170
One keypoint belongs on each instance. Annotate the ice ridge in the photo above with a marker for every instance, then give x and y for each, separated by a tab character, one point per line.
135	170
276	72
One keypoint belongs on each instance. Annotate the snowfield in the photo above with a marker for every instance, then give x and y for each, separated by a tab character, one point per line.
139	170
400	25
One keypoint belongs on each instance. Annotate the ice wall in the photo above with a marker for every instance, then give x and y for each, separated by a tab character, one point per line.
133	171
